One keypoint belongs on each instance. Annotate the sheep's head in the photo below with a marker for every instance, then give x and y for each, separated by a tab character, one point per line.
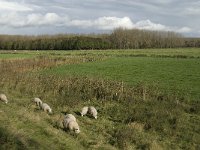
77	130
50	111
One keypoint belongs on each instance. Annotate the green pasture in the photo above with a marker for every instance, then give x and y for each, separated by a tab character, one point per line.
185	52
179	52
172	69
16	55
181	74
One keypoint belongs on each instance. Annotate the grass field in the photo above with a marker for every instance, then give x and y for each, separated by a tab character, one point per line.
15	55
146	99
169	73
182	53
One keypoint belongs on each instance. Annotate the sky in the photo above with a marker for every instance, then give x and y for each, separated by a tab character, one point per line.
34	17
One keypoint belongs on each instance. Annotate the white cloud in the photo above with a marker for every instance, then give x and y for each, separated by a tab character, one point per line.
108	23
184	30
31	20
96	15
16	20
104	23
37	19
11	19
40	20
148	25
13	6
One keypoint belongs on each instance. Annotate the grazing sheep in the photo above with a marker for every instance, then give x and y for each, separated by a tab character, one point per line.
70	123
84	111
46	108
3	98
92	111
37	101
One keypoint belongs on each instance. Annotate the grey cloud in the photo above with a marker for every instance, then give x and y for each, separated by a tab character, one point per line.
101	23
13	6
95	15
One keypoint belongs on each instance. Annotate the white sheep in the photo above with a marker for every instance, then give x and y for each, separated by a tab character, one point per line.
84	111
3	98
46	108
37	101
92	111
70	123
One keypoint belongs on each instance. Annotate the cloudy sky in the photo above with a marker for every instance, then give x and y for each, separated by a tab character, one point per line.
97	16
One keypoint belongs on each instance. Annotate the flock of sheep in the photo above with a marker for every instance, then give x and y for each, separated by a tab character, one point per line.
69	121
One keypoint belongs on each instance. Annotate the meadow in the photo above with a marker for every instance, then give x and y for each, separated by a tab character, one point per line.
168	73
146	99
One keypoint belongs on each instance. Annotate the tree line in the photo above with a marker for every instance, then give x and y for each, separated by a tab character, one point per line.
119	39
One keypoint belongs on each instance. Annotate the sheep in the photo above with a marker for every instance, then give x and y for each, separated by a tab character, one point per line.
3	98
37	101
70	123
84	111
46	108
92	111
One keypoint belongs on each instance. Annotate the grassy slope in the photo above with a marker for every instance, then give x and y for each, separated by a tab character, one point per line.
118	125
26	127
169	73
